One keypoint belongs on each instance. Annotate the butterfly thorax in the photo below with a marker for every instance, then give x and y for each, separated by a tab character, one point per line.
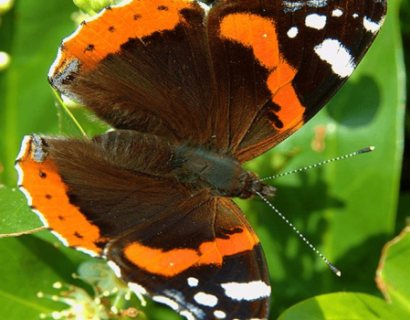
196	167
219	172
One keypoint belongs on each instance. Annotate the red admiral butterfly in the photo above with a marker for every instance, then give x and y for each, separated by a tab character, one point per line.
193	92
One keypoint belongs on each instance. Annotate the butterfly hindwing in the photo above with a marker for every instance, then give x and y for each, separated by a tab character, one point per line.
220	277
187	262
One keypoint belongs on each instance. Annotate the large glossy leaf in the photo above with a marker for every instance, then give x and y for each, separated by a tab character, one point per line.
343	306
393	274
15	215
30	265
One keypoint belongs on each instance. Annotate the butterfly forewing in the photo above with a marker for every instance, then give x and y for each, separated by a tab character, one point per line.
158	61
278	62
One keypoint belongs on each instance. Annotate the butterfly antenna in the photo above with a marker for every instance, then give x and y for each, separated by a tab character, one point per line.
353	154
331	266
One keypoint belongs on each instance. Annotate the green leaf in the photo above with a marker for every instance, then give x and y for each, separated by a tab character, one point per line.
29	265
343	306
403	213
93	6
393	274
75	120
67	119
15	215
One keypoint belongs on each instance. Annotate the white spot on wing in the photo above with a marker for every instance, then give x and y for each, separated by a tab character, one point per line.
315	21
115	268
337	13
317	3
167	301
188	315
192	282
355	15
206	299
248	291
292	6
179	298
219	314
293	32
337	55
138	289
370	25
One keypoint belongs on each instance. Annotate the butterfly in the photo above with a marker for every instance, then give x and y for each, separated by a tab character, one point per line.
193	92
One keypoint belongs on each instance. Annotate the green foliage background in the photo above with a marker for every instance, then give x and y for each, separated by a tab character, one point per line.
349	210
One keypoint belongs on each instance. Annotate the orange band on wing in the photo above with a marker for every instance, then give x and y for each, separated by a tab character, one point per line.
292	115
259	34
97	38
284	95
173	262
256	32
48	193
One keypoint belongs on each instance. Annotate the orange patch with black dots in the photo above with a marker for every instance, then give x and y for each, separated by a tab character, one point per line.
173	262
106	32
47	195
259	34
